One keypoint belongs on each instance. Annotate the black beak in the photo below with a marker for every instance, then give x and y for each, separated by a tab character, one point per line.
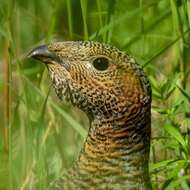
42	54
41	51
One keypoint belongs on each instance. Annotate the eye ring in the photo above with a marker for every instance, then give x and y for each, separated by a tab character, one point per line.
101	63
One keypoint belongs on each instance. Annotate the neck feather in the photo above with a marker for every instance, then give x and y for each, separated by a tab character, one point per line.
116	149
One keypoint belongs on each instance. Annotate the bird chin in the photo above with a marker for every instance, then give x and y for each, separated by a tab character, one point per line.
62	90
68	95
60	84
64	86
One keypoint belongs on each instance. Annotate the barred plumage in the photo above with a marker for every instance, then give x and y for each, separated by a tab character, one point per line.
115	93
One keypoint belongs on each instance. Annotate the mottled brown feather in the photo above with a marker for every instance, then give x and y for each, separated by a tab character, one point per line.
117	101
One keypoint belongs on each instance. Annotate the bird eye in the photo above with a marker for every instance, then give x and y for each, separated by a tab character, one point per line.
101	63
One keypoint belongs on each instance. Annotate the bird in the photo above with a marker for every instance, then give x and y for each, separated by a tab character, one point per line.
115	93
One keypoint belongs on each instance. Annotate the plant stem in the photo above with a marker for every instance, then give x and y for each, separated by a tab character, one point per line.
6	96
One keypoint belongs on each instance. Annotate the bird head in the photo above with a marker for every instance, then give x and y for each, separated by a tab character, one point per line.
99	79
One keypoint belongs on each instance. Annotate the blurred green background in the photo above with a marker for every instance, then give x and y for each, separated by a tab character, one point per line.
41	136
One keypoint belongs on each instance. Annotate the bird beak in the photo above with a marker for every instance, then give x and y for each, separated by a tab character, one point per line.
42	54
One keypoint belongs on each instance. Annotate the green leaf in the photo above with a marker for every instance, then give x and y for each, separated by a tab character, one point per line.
72	121
66	116
184	93
177	182
160	165
174	132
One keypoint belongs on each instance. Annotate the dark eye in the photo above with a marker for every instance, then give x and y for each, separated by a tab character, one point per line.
101	63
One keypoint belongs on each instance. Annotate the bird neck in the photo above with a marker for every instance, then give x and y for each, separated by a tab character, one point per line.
119	149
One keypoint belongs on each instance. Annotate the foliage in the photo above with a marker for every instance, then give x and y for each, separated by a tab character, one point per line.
45	135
